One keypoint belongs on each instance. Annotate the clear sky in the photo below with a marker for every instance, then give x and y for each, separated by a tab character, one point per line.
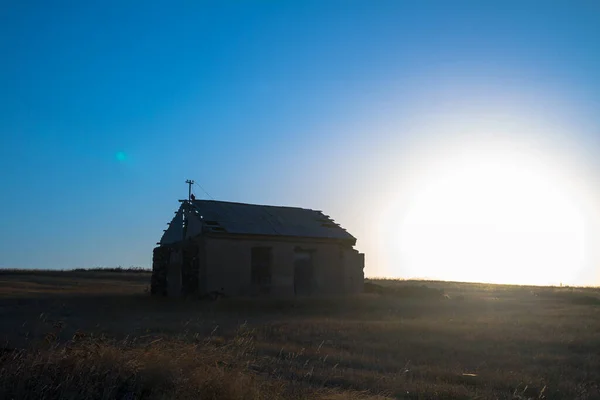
107	107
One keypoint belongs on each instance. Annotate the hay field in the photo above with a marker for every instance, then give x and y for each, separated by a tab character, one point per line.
89	335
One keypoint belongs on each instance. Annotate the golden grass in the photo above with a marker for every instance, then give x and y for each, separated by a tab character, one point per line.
92	368
479	341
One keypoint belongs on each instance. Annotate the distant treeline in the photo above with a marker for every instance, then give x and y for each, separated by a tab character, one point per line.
60	271
115	269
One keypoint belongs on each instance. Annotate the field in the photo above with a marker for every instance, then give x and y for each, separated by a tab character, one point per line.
87	335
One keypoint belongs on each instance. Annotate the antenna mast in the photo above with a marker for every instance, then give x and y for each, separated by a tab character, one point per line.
190	183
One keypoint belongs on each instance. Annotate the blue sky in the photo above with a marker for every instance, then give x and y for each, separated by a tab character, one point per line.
308	103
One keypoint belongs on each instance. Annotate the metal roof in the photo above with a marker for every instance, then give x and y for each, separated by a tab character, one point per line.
254	219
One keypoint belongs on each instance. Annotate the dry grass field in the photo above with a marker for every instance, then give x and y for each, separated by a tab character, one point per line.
88	335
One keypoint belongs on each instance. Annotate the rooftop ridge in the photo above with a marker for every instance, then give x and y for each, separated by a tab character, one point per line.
250	204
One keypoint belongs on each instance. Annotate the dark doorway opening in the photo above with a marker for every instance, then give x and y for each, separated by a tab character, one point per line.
303	273
261	268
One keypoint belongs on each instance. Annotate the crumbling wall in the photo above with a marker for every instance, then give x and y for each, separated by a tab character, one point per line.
223	264
354	275
174	273
160	262
190	268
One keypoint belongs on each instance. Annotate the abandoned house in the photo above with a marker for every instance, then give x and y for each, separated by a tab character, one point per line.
244	249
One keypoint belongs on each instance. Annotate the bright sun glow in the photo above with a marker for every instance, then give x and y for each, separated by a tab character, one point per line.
493	214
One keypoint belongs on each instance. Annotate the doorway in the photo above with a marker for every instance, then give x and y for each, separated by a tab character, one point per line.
261	261
303	273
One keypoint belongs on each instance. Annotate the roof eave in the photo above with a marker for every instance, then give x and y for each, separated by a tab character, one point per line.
350	240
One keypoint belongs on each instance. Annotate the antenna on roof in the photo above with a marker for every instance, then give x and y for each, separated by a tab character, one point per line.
190	183
204	190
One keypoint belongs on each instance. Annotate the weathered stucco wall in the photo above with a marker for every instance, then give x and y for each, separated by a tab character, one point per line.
224	264
228	266
354	275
